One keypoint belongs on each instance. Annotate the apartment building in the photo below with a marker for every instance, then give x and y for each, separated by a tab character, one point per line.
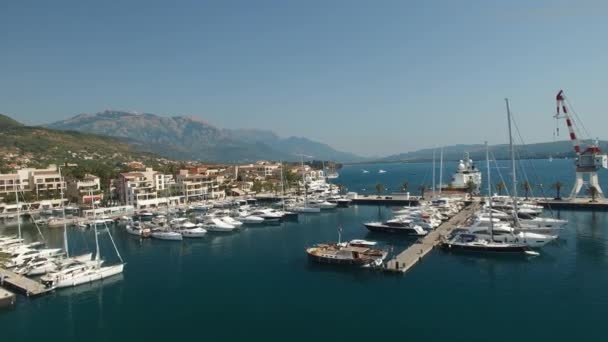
143	189
39	182
86	189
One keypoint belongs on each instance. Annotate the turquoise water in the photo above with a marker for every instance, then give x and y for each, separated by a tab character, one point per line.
258	284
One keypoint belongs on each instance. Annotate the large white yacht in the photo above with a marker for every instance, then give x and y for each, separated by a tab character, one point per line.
466	173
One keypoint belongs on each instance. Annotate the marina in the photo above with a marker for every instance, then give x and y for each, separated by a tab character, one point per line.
219	256
413	254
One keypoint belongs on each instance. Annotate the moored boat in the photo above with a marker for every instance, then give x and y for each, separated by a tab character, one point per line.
162	234
355	253
406	227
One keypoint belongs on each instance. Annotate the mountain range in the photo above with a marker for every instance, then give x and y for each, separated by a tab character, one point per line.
183	137
39	146
187	137
556	149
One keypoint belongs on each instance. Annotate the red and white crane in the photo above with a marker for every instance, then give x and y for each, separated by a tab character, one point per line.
589	160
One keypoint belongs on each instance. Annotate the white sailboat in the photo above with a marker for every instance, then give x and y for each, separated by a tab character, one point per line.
78	273
305	208
474	243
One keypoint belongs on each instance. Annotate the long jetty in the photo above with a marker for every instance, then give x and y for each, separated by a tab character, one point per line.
27	286
414	253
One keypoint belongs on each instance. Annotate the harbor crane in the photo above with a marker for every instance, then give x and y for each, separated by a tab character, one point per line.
589	160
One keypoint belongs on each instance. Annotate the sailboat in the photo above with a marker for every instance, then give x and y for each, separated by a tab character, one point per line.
77	273
44	265
305	208
333	174
473	243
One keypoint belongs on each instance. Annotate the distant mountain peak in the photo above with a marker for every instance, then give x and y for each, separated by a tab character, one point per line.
191	137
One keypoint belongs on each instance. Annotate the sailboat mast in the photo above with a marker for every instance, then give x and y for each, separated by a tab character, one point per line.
513	171
433	173
18	208
282	184
65	226
440	170
489	192
97	257
304	182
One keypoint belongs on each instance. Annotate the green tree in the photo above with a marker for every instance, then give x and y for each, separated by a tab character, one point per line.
527	187
593	192
558	188
500	187
379	188
257	186
471	188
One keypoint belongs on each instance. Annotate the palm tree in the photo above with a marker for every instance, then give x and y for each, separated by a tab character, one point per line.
405	186
527	187
471	188
379	188
558	188
422	188
593	192
500	187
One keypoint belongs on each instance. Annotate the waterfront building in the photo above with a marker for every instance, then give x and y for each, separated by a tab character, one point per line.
39	182
85	190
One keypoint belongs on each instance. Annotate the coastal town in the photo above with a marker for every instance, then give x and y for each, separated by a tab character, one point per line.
143	187
181	200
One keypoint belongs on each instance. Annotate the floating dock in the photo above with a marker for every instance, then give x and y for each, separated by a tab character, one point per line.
414	253
7	299
27	286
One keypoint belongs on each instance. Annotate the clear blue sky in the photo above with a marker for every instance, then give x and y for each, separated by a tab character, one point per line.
371	77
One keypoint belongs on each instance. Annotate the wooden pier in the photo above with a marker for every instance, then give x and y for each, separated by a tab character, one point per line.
414	253
27	286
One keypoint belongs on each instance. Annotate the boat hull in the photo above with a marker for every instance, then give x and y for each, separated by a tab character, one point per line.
167	237
485	249
193	233
90	276
347	262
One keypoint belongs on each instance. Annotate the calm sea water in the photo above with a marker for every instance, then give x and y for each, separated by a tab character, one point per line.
258	284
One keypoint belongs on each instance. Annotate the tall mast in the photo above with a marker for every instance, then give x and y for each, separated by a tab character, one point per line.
65	226
304	182
282	185
97	257
513	171
18	206
433	172
489	192
440	170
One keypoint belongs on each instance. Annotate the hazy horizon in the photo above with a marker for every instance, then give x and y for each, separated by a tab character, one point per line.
363	78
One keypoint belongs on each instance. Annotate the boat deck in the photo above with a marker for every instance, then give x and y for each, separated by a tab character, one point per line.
27	286
414	253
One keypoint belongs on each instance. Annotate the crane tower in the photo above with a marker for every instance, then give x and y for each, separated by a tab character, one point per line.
589	160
